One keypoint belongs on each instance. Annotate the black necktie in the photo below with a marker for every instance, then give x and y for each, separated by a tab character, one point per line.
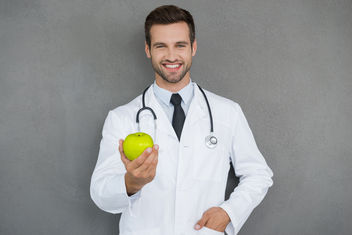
179	115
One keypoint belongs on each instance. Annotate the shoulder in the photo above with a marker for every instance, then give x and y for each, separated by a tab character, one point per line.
126	111
118	119
225	111
222	104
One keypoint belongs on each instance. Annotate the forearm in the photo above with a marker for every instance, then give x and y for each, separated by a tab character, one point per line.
109	192
255	175
108	188
245	197
131	187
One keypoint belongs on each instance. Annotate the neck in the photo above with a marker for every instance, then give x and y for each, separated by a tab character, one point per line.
172	87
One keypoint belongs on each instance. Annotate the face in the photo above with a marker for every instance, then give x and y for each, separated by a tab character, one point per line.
170	51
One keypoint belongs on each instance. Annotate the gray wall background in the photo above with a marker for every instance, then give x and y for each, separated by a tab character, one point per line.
65	64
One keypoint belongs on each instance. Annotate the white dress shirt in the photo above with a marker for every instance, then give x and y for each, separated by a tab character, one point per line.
163	96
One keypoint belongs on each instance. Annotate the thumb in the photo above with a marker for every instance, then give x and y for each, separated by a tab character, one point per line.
200	223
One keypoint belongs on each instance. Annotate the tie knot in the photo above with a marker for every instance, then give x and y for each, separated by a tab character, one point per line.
176	99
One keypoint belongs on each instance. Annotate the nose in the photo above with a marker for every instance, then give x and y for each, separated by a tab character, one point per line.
171	55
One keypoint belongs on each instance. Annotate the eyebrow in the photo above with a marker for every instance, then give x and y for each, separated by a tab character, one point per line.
161	43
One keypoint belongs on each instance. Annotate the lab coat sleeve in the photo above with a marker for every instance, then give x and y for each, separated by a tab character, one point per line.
255	175
107	188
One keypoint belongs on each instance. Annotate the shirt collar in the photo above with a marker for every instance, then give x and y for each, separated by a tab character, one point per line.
164	95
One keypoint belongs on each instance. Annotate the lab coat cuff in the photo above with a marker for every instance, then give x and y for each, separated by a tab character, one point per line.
231	228
132	200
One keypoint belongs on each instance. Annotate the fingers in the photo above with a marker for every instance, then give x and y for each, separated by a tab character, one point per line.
201	222
150	163
145	163
139	161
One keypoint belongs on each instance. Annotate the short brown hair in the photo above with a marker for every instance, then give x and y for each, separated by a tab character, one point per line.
168	14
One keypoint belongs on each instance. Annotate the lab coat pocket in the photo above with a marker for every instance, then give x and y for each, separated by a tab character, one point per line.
209	231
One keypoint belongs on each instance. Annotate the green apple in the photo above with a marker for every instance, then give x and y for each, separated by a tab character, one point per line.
135	144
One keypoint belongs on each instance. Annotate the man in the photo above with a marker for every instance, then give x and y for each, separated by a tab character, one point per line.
179	188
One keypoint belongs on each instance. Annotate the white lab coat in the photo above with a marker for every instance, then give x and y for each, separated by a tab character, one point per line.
190	178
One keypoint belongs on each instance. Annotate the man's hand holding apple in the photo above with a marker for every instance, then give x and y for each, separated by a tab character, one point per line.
141	170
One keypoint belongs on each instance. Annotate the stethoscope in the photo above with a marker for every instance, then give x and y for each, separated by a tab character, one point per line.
210	141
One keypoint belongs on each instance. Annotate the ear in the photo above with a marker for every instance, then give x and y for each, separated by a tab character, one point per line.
147	51
194	46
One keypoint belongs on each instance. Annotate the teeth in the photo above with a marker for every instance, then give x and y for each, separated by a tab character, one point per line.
172	66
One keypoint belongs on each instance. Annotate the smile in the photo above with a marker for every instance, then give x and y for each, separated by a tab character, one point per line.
172	67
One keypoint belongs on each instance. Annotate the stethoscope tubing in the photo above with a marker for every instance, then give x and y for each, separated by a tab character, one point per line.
211	140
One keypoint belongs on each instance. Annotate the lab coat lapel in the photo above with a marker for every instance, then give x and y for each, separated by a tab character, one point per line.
197	111
162	122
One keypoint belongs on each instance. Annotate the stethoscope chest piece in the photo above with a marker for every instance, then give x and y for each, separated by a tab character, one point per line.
211	141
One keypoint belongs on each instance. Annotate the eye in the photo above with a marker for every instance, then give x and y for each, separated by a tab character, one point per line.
180	45
159	46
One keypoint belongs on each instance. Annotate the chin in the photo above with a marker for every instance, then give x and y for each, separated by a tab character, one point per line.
176	80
